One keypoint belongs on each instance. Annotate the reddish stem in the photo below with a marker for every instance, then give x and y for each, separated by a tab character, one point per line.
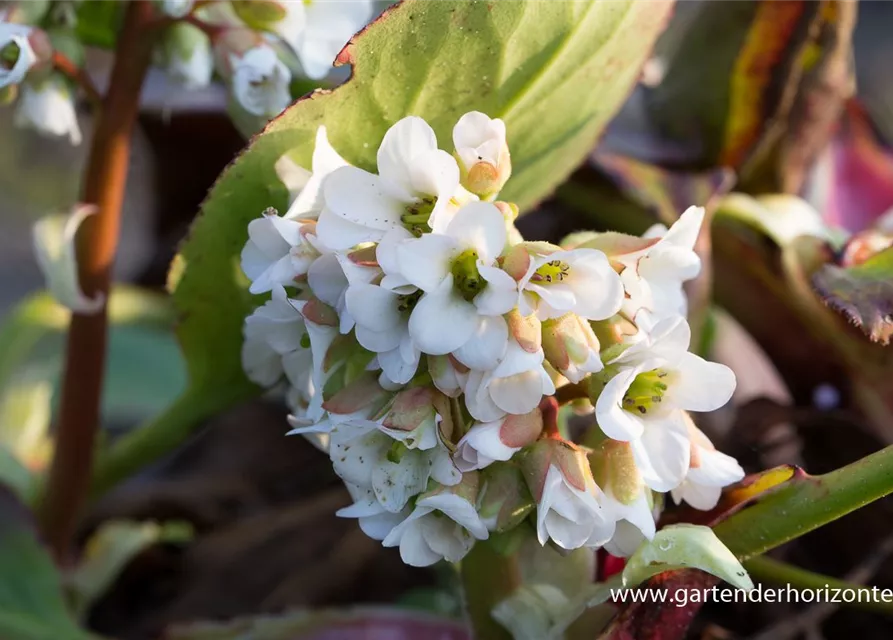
64	64
571	392
104	185
549	408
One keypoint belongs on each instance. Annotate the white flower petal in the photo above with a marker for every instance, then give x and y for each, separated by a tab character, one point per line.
425	262
54	246
700	385
442	321
481	227
499	296
487	345
663	453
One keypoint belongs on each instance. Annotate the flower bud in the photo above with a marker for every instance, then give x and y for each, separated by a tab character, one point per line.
412	418
186	53
487	442
482	154
560	480
288	20
527	330
571	347
47	106
506	501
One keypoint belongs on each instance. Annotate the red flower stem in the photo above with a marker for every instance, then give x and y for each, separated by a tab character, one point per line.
64	64
104	184
549	408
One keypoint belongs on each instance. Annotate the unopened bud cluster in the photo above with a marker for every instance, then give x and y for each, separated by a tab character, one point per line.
237	39
418	338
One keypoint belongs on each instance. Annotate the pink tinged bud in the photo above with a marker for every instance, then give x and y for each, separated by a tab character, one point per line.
509	210
614	470
521	430
526	330
617	245
483	180
565	456
364	257
362	393
320	313
410	409
570	345
517	262
506	501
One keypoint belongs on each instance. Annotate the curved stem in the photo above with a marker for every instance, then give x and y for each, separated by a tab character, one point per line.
488	578
104	185
64	64
155	438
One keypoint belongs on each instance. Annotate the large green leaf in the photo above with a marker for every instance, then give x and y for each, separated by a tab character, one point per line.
554	71
32	606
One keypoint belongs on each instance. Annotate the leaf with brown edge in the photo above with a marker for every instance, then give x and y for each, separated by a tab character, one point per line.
863	294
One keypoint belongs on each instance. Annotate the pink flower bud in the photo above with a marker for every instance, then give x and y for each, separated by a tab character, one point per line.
571	347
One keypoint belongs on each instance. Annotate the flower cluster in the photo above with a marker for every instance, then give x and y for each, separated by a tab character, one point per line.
256	47
419	339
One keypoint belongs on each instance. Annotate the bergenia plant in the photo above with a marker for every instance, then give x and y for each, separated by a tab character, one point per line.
552	413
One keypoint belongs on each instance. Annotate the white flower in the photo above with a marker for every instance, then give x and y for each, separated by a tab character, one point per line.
643	403
177	8
653	277
488	442
561	482
48	108
273	332
626	540
190	62
365	455
309	202
320	322
260	81
483	153
581	281
374	520
278	251
516	385
382	326
329	24
458	273
14	40
415	183
54	246
443	526
709	471
330	278
447	375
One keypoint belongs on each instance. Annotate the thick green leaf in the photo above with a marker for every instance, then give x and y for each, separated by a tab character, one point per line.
685	546
804	503
554	71
864	294
32	606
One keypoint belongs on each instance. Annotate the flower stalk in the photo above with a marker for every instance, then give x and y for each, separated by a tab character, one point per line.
104	185
488	578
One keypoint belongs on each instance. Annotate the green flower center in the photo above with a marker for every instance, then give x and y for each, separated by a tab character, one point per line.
406	303
646	392
9	55
467	279
416	217
396	452
552	271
